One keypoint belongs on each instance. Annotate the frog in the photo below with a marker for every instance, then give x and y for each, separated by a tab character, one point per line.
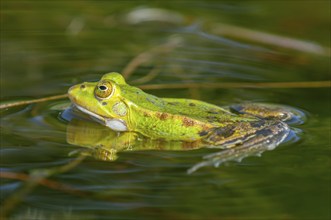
243	128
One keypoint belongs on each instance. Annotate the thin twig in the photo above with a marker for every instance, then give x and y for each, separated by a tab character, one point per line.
26	102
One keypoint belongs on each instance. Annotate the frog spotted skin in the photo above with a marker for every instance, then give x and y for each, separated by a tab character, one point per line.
122	107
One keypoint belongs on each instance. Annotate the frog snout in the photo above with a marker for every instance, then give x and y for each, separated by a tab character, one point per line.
71	91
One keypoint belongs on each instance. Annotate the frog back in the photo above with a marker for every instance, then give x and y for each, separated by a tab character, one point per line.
174	119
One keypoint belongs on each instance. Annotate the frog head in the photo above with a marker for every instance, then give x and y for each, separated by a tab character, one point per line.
103	101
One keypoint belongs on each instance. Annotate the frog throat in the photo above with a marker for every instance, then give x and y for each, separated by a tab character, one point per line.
112	123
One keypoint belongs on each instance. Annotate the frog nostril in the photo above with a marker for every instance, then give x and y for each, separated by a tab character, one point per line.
82	86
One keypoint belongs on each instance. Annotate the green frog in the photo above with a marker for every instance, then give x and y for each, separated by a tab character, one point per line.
127	109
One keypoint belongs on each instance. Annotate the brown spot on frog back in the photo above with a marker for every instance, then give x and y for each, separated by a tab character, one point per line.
188	122
162	116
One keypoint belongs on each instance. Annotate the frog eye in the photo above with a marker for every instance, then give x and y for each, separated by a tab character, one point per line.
103	90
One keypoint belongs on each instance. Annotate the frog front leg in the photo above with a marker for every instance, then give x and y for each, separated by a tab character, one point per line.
267	111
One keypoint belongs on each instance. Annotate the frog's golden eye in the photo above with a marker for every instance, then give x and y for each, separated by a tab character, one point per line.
103	90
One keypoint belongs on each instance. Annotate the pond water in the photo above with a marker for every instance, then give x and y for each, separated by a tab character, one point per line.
48	46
